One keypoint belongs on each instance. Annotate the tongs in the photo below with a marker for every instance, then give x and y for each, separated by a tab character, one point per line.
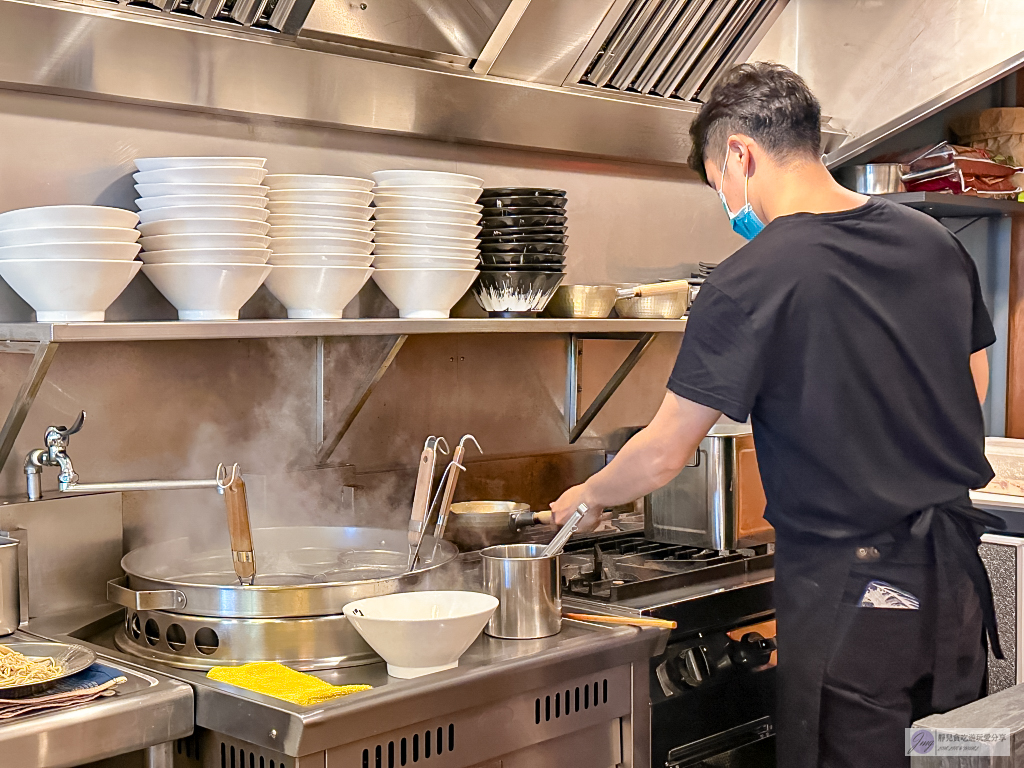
570	527
421	498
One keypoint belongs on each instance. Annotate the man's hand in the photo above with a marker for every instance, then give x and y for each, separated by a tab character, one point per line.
568	502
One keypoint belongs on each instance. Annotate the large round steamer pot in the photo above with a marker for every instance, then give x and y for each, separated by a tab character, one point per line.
187	609
302	571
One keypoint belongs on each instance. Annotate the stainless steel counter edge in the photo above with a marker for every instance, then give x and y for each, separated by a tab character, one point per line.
104	728
169	330
304	731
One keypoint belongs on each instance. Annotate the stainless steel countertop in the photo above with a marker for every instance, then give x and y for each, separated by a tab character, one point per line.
149	709
509	666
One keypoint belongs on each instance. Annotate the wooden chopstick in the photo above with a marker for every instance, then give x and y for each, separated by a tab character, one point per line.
628	620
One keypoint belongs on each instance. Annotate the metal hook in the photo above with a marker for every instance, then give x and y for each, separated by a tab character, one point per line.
437	445
462	442
222	473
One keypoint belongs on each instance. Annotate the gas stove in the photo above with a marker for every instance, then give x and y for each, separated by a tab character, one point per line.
713	687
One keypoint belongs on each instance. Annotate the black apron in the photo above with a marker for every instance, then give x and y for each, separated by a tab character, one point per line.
810	578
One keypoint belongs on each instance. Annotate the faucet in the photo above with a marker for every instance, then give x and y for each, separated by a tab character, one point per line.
53	455
228	483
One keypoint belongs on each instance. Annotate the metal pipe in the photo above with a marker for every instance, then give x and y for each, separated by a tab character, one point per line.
159	755
136	485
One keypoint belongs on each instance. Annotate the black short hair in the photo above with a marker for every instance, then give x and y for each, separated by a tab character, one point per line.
769	103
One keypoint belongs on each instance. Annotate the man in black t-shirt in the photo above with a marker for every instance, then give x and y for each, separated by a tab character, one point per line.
850	331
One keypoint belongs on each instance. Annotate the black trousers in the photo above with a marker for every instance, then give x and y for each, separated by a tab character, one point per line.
879	672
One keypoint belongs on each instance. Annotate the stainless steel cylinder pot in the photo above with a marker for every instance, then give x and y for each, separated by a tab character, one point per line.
873	178
10	605
528	590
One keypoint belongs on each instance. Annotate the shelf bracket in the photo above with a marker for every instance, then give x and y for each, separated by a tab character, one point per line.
326	448
576	424
42	355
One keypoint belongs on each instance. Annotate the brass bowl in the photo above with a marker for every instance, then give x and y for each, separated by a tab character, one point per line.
592	301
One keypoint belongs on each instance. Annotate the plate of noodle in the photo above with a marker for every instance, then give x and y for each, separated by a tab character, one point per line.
27	669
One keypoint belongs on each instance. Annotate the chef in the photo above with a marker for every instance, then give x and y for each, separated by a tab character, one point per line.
850	331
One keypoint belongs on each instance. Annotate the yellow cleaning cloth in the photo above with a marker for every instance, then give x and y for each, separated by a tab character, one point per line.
281	682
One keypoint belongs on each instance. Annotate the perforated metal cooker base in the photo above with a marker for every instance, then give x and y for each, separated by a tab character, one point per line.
203	642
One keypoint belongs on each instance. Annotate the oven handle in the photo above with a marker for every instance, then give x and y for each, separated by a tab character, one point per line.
146	600
720	744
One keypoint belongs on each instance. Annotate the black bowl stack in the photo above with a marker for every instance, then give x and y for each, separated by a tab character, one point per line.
522	249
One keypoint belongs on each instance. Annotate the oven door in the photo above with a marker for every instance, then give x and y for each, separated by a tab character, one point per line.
744	746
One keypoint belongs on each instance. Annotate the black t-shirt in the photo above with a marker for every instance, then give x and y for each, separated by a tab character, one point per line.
846	338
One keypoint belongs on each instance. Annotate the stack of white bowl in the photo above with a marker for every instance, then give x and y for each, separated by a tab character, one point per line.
426	249
204	231
68	262
321	242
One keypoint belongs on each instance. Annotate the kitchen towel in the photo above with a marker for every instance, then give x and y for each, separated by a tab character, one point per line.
281	682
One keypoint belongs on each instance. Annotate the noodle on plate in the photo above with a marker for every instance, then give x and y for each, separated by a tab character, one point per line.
16	669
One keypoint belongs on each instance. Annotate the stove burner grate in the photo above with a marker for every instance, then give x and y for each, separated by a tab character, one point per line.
628	566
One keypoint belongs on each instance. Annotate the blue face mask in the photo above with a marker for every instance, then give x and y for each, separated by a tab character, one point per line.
744	222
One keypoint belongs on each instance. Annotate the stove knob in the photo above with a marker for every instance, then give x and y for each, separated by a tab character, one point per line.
693	666
752	650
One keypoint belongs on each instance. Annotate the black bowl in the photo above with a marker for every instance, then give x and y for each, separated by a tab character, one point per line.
492	212
521	191
552	237
557	249
512	292
519	201
548	234
545	260
522	268
521	222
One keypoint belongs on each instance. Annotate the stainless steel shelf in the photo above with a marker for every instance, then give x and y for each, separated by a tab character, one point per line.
267	329
941	205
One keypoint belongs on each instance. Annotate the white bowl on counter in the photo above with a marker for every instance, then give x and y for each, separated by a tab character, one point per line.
68	216
333	210
424	292
316	291
207	256
424	262
203	240
172	201
203	190
298	220
207	291
414	249
339	196
316	181
458	194
34	235
210	174
69	290
90	251
425	241
203	212
208	226
435	215
363	235
405	201
409	178
160	163
319	259
419	633
339	245
428	228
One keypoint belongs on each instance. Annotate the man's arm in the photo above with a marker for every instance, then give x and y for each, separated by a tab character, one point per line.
979	369
647	462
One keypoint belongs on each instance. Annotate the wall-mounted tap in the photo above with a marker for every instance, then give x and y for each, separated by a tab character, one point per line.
228	483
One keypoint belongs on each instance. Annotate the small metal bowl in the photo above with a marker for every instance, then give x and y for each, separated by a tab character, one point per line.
668	306
595	301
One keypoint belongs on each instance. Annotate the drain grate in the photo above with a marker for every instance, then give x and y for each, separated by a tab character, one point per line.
678	48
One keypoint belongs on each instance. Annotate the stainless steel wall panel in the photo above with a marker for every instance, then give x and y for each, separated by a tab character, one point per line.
549	39
891	64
